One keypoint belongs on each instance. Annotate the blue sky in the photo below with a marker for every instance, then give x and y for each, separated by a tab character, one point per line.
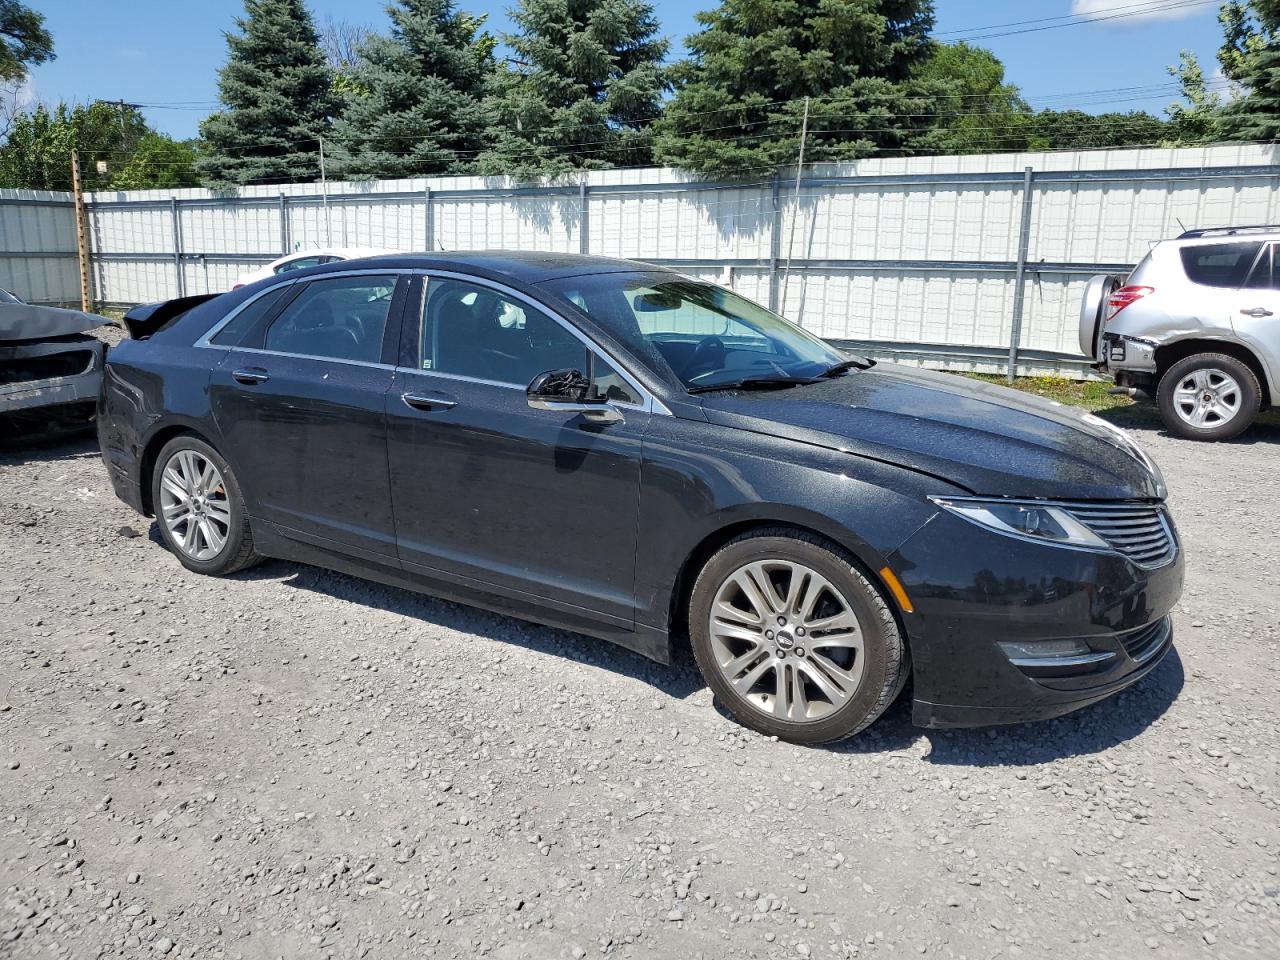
167	52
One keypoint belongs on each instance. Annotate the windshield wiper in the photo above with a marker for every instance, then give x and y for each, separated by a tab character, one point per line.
844	366
752	383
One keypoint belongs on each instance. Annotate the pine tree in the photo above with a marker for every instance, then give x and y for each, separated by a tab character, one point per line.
737	110
276	90
1251	56
587	83
413	100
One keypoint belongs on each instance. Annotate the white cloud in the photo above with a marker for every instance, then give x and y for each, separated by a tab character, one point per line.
1134	11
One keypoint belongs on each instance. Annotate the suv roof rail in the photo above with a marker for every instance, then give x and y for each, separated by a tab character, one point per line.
1228	231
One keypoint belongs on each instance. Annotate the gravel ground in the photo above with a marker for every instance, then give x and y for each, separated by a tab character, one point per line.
295	763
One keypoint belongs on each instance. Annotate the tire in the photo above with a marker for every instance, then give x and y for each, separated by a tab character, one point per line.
866	668
235	552
1218	390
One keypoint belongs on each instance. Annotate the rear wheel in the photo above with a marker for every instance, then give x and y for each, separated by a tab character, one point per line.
199	508
1209	396
792	638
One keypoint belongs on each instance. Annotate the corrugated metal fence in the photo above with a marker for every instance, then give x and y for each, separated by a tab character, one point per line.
924	258
38	246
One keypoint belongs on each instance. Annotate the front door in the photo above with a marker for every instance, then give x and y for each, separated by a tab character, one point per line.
300	401
531	504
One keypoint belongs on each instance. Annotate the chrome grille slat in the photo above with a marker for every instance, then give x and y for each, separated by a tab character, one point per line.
1142	534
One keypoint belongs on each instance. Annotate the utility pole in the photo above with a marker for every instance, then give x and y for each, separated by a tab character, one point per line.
791	239
82	236
324	192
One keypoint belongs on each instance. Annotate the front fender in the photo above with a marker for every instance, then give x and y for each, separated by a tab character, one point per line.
702	481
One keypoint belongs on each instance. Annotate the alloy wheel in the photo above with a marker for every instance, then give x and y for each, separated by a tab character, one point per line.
1207	398
787	640
194	506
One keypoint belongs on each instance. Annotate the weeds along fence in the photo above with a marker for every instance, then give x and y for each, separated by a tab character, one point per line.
964	262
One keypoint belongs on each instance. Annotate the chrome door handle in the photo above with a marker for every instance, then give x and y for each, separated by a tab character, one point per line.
423	402
1258	312
251	375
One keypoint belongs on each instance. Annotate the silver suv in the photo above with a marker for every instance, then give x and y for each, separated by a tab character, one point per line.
1196	326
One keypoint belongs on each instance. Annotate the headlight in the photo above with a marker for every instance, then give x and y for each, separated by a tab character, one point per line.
1043	523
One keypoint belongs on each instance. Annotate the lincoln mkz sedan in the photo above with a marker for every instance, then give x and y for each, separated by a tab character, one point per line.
619	450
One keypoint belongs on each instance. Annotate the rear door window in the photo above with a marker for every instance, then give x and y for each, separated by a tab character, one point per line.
249	316
1265	276
1220	264
344	318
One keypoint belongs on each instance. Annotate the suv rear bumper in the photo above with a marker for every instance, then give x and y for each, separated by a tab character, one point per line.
1127	353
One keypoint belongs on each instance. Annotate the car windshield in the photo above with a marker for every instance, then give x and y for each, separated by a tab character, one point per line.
709	337
7	297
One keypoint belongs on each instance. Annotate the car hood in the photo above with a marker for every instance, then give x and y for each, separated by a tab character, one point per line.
23	321
988	439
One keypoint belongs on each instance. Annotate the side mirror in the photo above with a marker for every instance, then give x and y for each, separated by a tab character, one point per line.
568	391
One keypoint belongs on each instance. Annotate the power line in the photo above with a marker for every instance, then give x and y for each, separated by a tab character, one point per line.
1091	18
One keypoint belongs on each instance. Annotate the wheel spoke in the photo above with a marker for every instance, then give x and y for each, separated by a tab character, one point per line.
734	667
782	699
218	512
844	620
749	679
212	538
760	595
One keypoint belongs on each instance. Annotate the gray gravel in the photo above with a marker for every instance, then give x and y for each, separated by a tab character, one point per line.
295	763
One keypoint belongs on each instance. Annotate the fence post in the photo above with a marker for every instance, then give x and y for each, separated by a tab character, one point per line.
584	223
428	227
775	245
1020	276
284	227
177	246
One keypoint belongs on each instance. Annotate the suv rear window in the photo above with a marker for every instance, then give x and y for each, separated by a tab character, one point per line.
1219	264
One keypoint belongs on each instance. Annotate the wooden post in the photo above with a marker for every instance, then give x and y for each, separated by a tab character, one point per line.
82	235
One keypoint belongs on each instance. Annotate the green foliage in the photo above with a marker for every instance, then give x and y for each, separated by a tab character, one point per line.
1194	118
37	152
587	83
276	87
738	107
978	112
1251	56
158	161
1077	130
413	100
24	41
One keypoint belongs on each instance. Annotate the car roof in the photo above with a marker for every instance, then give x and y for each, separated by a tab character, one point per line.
521	265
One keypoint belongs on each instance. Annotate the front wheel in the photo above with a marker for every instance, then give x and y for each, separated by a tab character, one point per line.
793	640
199	508
1208	396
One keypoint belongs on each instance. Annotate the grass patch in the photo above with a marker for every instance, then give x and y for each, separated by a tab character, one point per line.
1086	394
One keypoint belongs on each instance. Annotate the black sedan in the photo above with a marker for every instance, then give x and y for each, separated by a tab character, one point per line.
620	450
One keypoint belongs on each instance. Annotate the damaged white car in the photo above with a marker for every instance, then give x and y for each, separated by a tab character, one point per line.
1196	327
50	367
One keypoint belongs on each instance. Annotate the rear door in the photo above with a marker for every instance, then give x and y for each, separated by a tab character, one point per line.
1256	316
300	400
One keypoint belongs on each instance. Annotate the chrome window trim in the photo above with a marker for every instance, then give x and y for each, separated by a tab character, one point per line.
649	403
310	356
213	331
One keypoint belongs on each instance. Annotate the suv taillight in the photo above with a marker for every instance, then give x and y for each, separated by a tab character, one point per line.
1123	296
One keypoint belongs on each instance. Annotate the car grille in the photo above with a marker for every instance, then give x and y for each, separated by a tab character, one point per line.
1143	534
1142	645
31	369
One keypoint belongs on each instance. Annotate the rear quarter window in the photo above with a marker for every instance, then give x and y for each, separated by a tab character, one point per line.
1219	264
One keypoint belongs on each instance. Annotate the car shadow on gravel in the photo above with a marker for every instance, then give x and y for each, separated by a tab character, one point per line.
1091	730
48	447
1143	416
678	681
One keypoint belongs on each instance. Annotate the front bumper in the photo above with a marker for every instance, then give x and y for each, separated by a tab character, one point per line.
973	589
21	392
